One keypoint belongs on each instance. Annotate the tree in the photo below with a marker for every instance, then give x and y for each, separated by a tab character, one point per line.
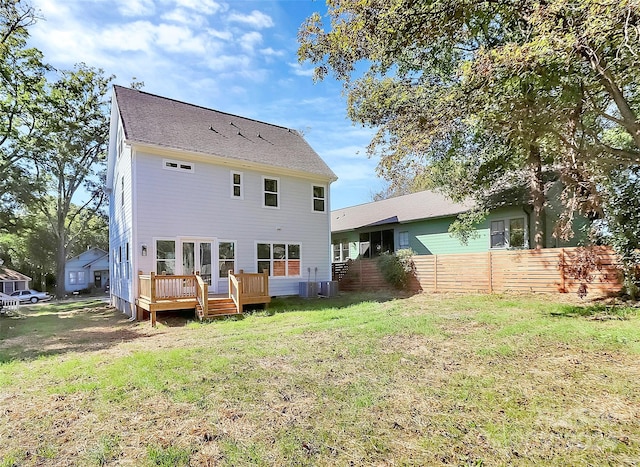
473	97
32	250
68	150
21	82
621	224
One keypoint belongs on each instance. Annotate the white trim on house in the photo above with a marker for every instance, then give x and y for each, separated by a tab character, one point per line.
224	161
507	232
178	166
277	192
314	198
239	185
271	260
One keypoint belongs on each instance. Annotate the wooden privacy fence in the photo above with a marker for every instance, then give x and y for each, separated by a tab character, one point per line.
550	270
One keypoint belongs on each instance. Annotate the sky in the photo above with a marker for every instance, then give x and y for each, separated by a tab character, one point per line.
236	56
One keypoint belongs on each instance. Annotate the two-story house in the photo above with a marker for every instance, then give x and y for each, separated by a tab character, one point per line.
197	190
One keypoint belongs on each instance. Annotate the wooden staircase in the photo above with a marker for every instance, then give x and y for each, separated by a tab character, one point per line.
218	307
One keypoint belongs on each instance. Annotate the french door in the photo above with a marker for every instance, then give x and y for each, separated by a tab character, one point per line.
197	255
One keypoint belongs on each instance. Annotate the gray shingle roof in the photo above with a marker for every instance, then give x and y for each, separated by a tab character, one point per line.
407	208
9	275
159	121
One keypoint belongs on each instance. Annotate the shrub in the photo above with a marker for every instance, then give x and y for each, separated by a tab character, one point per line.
397	267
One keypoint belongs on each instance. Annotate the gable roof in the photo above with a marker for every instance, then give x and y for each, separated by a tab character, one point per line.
401	209
9	275
171	124
100	252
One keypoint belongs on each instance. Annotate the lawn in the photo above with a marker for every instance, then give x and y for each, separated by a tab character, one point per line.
356	380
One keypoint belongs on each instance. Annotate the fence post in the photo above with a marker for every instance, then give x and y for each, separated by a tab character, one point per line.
563	286
153	287
435	273
490	271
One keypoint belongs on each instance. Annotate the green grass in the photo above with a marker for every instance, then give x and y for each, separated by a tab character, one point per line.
361	379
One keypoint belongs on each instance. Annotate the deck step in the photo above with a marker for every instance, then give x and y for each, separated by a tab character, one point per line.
222	307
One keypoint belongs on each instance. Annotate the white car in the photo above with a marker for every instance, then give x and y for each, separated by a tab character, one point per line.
32	296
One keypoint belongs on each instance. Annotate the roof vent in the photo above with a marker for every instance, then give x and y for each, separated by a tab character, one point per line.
212	129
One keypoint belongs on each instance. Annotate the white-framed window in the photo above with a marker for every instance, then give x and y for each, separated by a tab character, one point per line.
180	166
120	140
165	256
126	262
319	199
340	250
77	277
122	191
280	259
226	258
508	233
403	240
237	190
270	188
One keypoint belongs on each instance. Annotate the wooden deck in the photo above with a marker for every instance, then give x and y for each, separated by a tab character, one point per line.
190	292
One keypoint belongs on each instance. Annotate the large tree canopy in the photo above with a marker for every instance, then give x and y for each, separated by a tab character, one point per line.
21	81
68	151
473	96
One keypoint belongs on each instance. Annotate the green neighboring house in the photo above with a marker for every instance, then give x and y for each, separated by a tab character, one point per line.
421	221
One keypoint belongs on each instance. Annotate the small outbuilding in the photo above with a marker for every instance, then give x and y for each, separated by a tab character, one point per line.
11	280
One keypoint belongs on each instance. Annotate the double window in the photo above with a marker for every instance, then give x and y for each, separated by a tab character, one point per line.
319	201
236	185
270	192
508	233
340	251
280	259
77	277
180	166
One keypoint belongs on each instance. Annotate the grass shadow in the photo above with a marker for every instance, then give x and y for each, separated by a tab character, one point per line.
58	328
343	300
597	312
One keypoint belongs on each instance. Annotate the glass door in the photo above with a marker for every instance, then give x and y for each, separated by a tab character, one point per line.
196	256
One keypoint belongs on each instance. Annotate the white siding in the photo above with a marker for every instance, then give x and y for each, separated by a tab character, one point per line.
174	204
121	274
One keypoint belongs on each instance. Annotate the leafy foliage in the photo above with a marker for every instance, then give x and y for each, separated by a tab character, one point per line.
21	81
622	223
397	267
475	96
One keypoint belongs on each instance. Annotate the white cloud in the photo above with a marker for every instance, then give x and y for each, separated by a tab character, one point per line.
225	63
136	7
250	41
224	35
256	18
182	16
208	7
299	71
270	52
179	39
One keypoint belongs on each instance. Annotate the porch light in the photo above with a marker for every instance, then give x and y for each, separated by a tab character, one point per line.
144	250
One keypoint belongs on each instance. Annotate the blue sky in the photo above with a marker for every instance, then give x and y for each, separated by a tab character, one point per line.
238	56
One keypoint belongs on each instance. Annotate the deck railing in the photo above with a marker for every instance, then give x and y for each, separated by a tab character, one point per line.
202	294
244	288
249	288
145	284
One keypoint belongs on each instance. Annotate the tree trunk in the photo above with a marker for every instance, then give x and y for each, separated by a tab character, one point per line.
536	188
61	257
